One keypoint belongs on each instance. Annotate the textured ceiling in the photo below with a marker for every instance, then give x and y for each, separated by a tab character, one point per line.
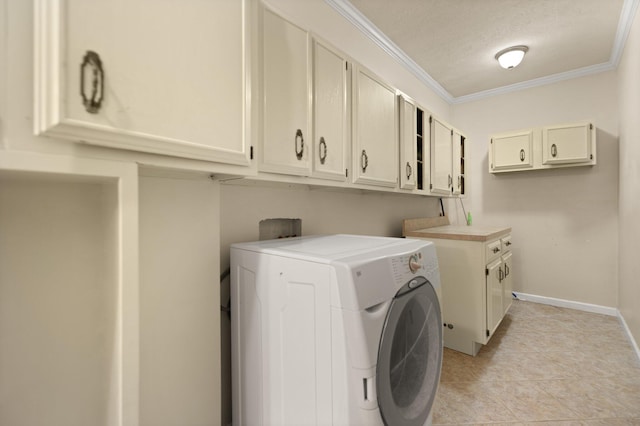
455	41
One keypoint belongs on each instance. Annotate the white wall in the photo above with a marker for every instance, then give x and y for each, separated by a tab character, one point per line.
565	224
179	301
58	286
629	207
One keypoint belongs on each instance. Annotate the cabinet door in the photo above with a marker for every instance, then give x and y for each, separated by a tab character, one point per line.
408	166
458	172
567	144
511	151
375	131
422	150
286	139
331	129
494	296
507	282
441	152
171	78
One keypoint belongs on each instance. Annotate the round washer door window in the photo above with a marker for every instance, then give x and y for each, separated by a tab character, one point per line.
410	355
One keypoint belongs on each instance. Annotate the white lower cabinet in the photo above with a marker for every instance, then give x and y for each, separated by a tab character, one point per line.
507	282
375	130
495	295
475	274
172	78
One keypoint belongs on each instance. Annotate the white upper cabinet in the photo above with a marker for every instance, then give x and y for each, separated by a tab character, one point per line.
171	78
549	147
423	154
458	162
330	109
511	151
375	130
569	143
286	97
441	154
408	164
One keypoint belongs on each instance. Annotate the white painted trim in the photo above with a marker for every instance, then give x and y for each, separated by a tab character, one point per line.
123	410
587	307
536	82
629	335
562	303
624	26
353	15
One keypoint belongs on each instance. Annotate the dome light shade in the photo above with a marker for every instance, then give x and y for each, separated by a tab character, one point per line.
511	57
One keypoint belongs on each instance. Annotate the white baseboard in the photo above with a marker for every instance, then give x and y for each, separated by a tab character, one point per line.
588	307
629	335
562	303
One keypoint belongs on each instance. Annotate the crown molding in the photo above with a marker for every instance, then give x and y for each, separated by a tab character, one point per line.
353	15
629	8
536	82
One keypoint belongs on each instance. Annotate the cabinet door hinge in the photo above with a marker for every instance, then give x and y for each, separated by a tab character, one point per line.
346	173
590	126
251	153
430	119
451	132
488	334
430	186
486	271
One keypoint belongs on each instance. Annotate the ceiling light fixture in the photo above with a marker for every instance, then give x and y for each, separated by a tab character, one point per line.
511	57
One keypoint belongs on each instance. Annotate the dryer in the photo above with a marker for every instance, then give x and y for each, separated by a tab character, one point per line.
335	330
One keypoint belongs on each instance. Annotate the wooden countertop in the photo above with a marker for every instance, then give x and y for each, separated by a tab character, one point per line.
419	228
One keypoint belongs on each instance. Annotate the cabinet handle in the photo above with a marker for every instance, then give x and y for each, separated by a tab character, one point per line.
322	150
450	180
500	274
506	270
364	161
459	180
300	138
496	249
91	63
522	155
554	150
508	243
409	170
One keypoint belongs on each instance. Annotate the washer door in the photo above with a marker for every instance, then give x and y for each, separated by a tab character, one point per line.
410	355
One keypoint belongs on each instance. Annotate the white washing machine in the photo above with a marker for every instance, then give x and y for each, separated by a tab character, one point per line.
335	330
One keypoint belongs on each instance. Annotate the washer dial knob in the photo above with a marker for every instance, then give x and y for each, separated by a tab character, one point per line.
414	263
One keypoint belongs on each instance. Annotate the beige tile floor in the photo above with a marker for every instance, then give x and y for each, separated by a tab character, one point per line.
544	366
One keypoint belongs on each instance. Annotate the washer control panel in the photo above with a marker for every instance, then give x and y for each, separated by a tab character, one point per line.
407	266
